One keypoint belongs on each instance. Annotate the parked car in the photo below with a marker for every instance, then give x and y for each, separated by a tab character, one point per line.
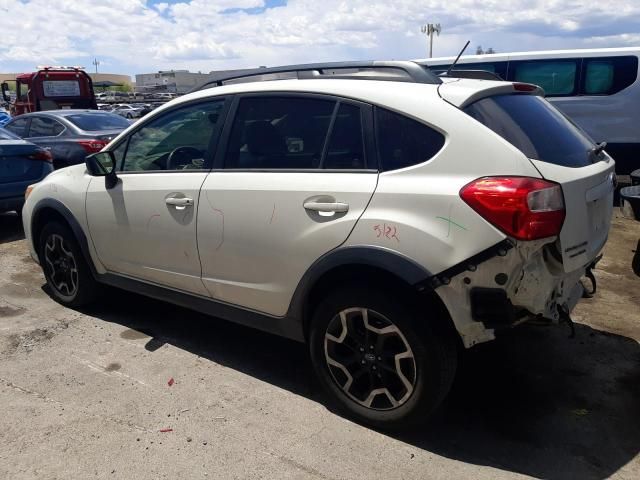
70	135
384	223
4	117
127	111
21	164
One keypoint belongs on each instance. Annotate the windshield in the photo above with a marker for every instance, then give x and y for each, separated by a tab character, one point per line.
535	127
7	135
94	122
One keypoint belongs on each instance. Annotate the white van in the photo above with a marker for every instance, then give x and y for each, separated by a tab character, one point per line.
598	89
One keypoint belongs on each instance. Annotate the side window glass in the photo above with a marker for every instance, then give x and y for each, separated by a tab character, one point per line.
118	153
598	77
44	127
19	127
403	142
609	75
274	132
177	140
346	145
556	77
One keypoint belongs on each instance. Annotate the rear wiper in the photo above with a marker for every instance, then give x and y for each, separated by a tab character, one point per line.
598	148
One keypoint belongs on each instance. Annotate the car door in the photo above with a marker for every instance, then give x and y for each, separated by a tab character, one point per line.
145	227
19	126
49	133
294	176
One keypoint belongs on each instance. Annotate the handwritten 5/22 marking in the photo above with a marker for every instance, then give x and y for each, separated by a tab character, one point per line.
387	231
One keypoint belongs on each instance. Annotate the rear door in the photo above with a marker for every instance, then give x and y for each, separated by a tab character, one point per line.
49	133
293	180
564	154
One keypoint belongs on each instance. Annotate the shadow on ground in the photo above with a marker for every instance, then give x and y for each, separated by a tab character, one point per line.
534	402
10	227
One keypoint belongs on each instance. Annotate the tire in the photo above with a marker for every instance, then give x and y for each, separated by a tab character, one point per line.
65	268
407	343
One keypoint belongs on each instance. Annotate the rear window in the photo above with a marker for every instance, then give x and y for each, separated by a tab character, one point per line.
7	135
94	122
535	127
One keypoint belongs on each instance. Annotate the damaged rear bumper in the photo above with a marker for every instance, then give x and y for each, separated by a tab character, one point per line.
508	284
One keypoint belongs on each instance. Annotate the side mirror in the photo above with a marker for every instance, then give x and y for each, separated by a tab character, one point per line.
5	92
103	164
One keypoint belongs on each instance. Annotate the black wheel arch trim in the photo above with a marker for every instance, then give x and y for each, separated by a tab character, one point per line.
79	234
367	255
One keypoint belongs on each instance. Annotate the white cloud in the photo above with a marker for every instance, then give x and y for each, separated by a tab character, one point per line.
135	36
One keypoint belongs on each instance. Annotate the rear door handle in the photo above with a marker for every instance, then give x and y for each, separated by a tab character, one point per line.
336	207
179	202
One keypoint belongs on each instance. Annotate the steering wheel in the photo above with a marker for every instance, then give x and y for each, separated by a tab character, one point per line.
182	156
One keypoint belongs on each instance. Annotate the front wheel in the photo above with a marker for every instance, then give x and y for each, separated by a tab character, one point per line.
65	269
379	359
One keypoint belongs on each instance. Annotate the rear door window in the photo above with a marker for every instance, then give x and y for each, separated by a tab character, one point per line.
7	135
556	77
535	127
403	142
282	133
45	127
345	149
19	127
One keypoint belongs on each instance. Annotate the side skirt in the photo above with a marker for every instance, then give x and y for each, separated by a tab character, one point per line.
282	326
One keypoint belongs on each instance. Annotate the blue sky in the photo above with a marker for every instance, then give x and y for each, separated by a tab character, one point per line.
136	36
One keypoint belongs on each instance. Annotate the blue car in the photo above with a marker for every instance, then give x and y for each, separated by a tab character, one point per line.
4	117
21	164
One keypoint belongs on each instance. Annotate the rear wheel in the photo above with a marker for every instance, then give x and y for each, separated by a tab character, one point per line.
65	269
379	359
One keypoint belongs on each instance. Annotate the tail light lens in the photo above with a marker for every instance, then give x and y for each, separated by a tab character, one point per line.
92	146
42	155
523	208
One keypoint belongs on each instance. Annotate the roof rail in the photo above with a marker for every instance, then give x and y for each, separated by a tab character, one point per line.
393	70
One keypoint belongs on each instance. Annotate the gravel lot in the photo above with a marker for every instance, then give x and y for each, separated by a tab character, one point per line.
85	394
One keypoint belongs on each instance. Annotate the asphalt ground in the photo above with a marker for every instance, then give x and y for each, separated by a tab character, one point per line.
86	394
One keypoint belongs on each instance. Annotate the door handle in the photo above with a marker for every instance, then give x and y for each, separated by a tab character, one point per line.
179	202
335	207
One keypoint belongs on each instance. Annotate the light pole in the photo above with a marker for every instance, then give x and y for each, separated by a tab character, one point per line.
429	29
96	63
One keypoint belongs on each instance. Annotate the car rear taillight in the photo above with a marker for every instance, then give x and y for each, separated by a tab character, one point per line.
524	87
42	155
92	146
522	207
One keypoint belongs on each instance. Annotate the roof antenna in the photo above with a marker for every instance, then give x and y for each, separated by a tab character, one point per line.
457	58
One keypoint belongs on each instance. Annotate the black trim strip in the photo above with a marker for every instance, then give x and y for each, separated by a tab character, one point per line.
575	247
471	264
283	326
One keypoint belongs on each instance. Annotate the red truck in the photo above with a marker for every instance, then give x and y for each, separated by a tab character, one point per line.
51	88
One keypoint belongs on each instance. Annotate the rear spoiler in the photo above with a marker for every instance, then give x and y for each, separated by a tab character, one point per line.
456	92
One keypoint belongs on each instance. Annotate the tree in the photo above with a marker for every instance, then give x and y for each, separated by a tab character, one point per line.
479	50
490	50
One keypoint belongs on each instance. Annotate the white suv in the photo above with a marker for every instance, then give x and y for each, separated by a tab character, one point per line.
384	222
